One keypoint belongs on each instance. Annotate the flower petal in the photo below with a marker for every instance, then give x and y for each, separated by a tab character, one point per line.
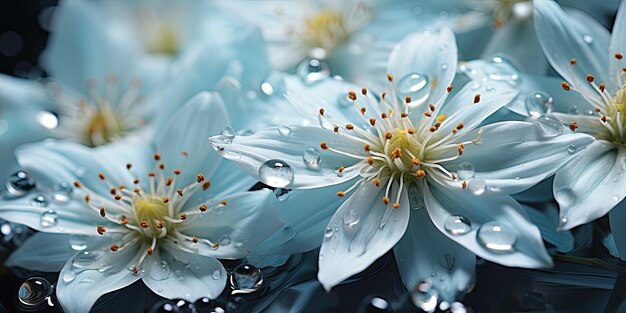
546	217
191	278
515	156
82	47
42	252
202	116
360	233
107	271
247	219
617	216
589	186
528	250
617	45
289	145
563	38
424	253
431	54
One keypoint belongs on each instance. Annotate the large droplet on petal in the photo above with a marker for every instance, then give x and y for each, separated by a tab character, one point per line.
465	171
276	173
246	278
78	242
34	293
416	86
20	183
312	158
538	103
549	125
425	297
48	218
313	70
496	237
457	225
477	186
62	192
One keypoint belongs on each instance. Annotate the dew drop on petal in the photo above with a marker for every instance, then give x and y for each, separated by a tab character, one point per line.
538	103
227	134
78	242
217	274
48	218
549	125
62	192
587	39
504	71
39	200
565	196
351	222
496	237
284	130
328	233
276	173
573	110
477	186
19	183
313	70
160	271
34	291
225	240
465	171
425	297
457	225
312	158
69	276
246	278
416	86
288	233
281	194
571	149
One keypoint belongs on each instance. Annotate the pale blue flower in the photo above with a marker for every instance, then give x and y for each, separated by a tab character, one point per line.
161	212
408	168
589	58
352	38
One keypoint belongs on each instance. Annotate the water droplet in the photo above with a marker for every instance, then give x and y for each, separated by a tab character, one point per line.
457	307
563	220
276	173
47	119
34	292
86	259
373	304
457	225
496	237
574	110
284	130
538	103
6	229
477	186
281	194
48	218
312	158
416	86
69	276
328	233
425	297
160	271
465	171
504	70
288	233
224	240
313	70
217	274
228	134
62	192
246	278
571	149
351	222
549	125
588	39
565	196
40	201
19	183
78	242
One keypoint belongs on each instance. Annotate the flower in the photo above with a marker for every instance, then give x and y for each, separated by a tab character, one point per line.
590	60
320	38
410	165
161	213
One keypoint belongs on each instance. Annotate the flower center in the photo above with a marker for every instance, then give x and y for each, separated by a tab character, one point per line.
503	10
150	208
160	28
165	40
324	30
101	116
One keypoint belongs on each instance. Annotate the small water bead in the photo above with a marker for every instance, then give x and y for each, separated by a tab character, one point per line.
505	71
588	39
48	218
312	158
457	307
273	84
160	271
19	183
281	194
565	196
68	276
425	297
284	130
228	134
549	125
313	70
47	119
538	103
572	149
496	237
62	192
78	242
246	278
574	110
351	222
457	225
217	274
465	171
276	173
415	85
288	233
328	233
374	304
477	186
34	292
40	201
